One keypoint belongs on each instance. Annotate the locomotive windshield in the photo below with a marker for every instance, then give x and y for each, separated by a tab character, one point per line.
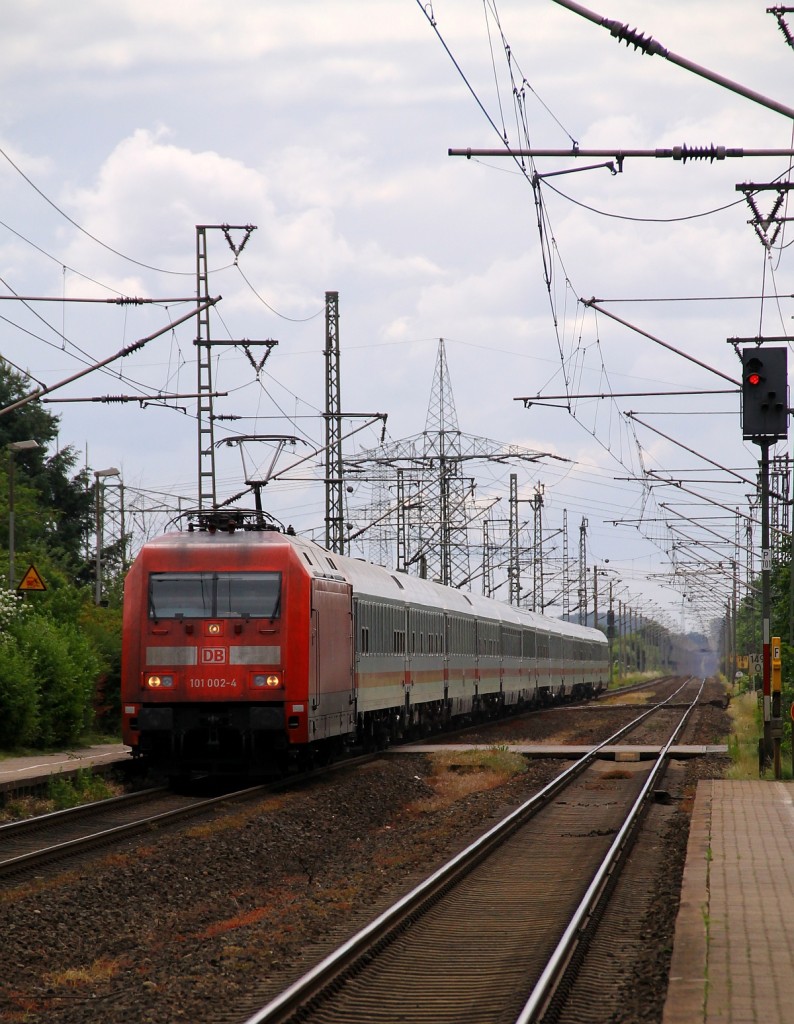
214	595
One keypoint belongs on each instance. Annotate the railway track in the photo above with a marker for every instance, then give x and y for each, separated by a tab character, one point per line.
31	843
493	934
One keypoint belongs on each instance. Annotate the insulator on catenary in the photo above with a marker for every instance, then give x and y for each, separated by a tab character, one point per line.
684	153
633	37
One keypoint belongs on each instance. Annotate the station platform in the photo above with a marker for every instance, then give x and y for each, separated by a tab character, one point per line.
16	773
733	955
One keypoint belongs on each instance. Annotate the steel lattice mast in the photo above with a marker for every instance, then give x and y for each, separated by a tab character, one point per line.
205	418
514	564
205	414
583	572
334	489
445	490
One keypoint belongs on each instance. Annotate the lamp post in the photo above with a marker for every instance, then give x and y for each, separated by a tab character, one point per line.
100	474
12	448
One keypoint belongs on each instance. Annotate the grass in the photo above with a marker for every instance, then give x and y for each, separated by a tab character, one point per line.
638	697
63	791
81	788
743	741
73	977
456	774
746	711
632	678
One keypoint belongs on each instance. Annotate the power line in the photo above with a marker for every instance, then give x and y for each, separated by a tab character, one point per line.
84	231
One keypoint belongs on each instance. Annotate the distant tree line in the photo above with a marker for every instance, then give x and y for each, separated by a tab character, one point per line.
60	654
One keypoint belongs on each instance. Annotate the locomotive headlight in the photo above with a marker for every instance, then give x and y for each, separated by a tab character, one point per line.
271	681
159	682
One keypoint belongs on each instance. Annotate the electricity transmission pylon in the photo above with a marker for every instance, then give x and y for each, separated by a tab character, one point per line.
438	509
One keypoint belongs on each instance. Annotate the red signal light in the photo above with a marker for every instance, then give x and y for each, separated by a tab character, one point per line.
753	371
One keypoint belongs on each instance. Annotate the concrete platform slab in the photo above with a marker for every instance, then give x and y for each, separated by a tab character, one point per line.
733	956
15	770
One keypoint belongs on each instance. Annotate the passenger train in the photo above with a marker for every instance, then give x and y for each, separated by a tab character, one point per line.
246	648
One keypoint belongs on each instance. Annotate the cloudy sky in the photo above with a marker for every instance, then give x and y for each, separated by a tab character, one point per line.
327	125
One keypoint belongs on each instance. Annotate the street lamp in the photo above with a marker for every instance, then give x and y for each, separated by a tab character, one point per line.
100	474
12	448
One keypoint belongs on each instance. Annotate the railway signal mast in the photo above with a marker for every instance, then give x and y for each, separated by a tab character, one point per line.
765	421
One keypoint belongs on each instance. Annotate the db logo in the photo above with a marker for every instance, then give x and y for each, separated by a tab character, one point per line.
213	656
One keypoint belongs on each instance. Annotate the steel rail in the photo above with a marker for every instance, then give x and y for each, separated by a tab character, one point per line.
13	829
35	857
411	905
198	806
558	962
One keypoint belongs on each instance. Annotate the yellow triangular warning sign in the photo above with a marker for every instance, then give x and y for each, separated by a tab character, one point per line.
31	580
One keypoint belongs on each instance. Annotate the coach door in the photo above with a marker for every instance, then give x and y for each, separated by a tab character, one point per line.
331	682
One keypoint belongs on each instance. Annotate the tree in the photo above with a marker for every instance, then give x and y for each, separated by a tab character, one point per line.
59	653
54	505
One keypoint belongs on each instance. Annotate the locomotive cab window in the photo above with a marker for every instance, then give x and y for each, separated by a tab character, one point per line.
214	595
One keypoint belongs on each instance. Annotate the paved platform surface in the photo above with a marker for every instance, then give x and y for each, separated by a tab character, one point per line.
14	770
733	957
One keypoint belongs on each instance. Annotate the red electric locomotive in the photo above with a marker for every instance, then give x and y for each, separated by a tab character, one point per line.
245	648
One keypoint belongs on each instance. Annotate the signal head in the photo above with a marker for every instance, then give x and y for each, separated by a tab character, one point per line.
764	394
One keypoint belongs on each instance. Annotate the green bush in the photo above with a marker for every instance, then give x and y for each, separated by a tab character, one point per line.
19	698
84	787
102	628
62	793
65	667
59	669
